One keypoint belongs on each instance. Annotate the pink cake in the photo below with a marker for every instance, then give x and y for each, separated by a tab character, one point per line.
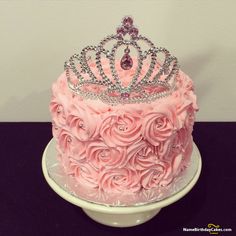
123	142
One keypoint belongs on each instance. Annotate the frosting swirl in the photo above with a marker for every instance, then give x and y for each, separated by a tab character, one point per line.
101	155
118	180
71	146
120	130
58	112
82	124
159	125
156	175
141	155
87	175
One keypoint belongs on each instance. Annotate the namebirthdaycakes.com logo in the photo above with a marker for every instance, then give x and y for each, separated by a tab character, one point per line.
211	229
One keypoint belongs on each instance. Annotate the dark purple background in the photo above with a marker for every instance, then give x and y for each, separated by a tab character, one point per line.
29	207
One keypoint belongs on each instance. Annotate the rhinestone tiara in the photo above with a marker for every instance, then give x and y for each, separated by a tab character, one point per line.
150	78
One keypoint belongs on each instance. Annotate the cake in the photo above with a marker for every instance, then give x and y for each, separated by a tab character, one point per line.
123	123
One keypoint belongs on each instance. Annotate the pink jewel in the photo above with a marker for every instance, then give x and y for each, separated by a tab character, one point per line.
127	22
125	95
126	62
134	32
120	31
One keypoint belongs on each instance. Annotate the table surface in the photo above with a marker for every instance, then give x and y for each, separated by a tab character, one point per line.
29	207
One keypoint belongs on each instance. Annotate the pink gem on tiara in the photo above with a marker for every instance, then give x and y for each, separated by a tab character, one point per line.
127	22
133	32
121	31
125	95
126	61
151	77
127	28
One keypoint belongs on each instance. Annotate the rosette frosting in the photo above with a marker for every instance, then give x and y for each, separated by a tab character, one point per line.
125	149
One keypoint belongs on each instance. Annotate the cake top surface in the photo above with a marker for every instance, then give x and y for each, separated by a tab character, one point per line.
125	68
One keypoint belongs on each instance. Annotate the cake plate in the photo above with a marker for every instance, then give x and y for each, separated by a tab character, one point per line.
119	216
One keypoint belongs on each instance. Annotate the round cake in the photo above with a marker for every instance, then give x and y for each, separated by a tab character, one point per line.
123	127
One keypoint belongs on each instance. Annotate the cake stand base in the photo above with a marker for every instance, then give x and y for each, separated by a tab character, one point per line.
119	216
122	220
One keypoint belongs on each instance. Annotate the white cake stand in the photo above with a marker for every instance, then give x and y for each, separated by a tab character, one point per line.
120	216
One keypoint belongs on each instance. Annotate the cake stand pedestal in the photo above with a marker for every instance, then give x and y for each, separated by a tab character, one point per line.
120	216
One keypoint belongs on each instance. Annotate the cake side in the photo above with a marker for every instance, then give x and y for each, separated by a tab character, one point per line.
125	152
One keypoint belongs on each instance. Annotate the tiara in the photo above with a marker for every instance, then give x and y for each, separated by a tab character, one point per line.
95	73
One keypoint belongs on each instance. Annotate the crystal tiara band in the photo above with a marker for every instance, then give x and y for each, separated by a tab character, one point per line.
157	81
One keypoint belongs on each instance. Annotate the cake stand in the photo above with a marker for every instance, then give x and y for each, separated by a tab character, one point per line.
119	216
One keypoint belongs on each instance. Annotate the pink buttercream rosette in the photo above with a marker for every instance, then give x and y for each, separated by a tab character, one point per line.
123	152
